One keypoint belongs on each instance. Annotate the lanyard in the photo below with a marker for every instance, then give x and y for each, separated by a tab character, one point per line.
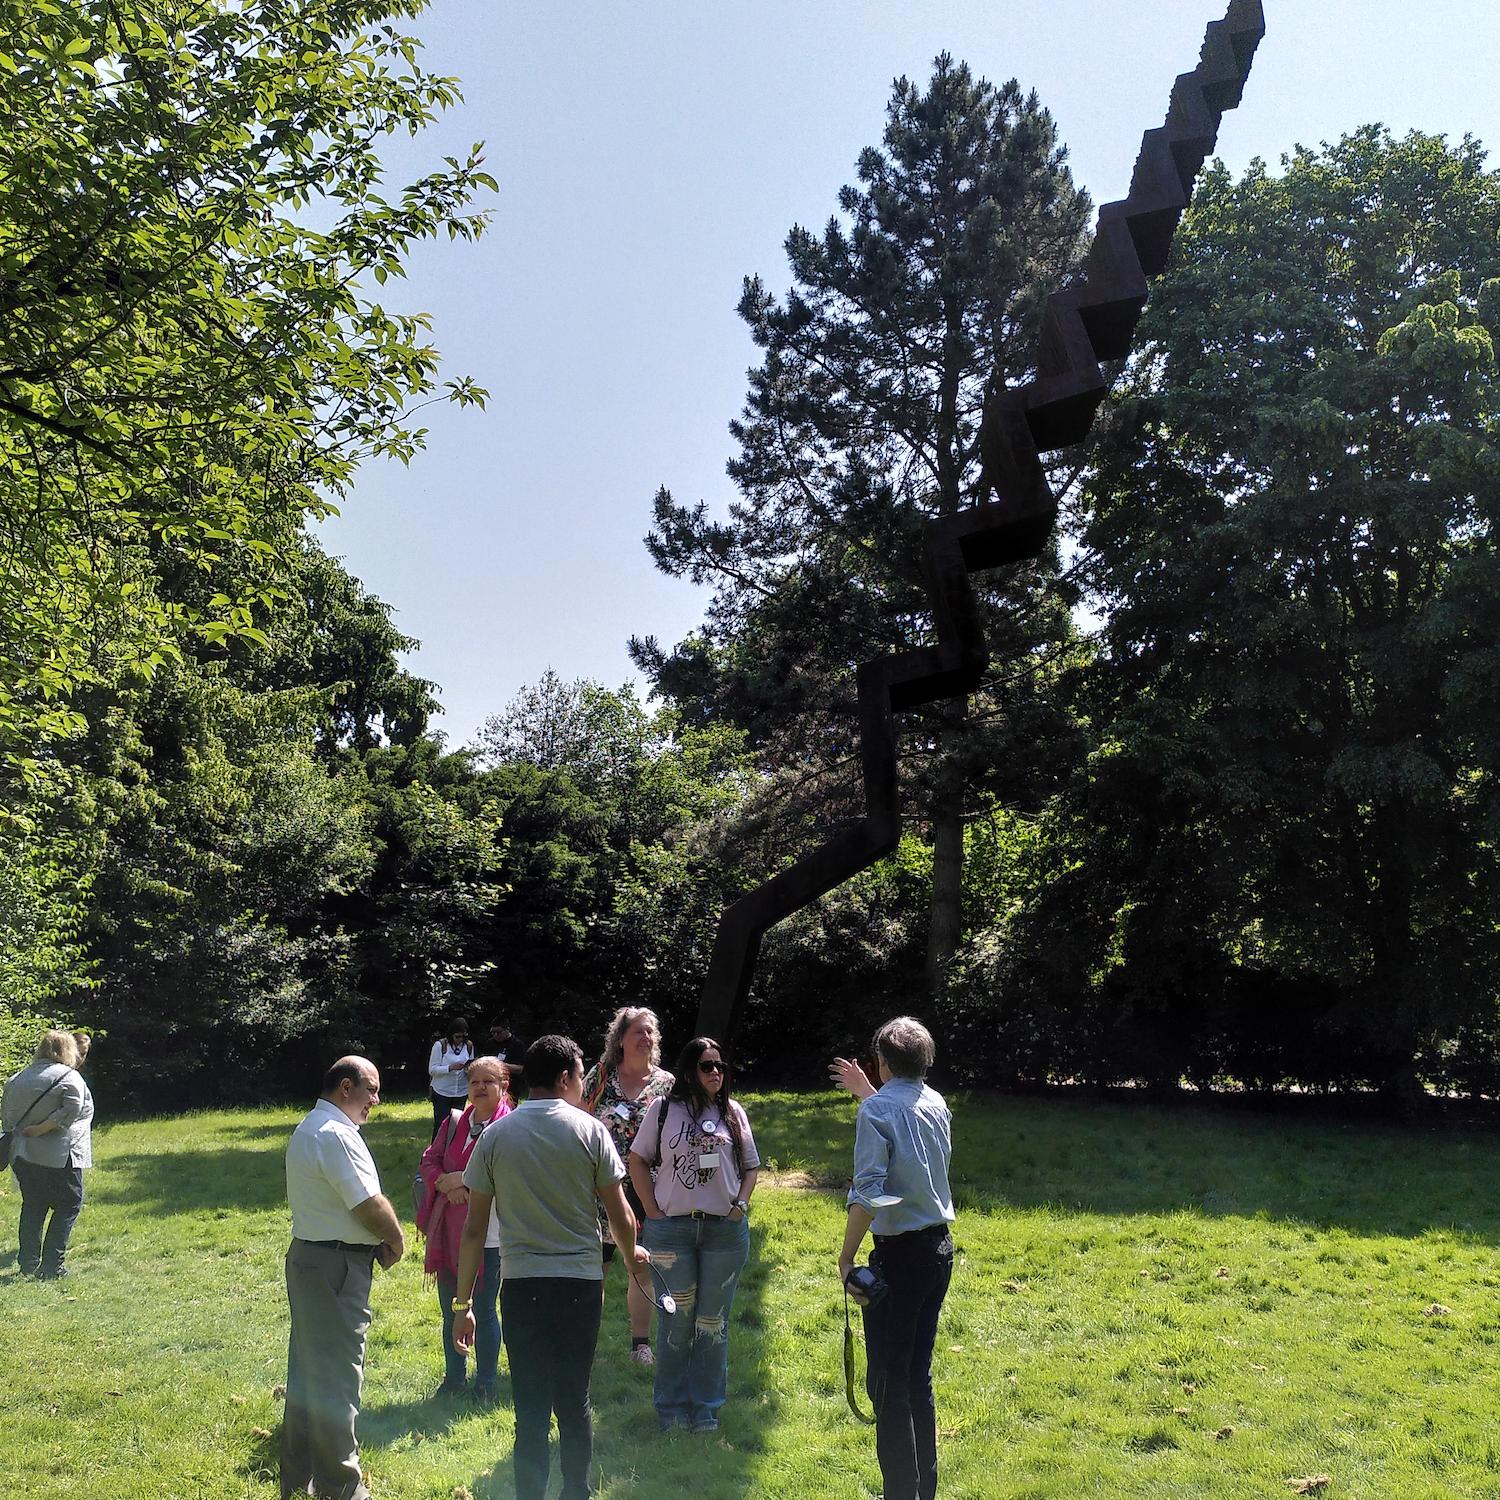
849	1366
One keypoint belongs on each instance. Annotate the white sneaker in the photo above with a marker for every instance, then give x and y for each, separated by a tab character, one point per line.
640	1354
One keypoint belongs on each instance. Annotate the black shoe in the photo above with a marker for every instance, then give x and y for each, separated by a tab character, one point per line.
482	1395
448	1390
56	1273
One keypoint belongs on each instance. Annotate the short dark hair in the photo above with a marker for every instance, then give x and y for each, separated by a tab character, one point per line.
906	1045
342	1069
548	1058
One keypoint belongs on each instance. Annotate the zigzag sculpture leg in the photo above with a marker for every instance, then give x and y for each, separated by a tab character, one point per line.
1084	324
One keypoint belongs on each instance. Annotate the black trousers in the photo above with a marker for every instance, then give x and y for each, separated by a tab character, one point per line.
328	1291
57	1191
899	1333
551	1328
442	1106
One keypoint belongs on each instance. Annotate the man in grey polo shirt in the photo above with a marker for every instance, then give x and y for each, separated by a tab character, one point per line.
341	1224
542	1167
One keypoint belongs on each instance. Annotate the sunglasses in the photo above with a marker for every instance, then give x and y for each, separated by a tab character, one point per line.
712	1067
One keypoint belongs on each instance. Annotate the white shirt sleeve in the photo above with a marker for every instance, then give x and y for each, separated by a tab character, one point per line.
348	1165
436	1067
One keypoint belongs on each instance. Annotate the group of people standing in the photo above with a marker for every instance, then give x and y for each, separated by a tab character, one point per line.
50	1112
527	1206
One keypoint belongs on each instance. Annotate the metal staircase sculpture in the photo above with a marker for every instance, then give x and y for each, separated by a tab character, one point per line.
1084	324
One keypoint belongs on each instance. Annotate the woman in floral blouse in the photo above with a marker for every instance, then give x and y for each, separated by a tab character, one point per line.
618	1090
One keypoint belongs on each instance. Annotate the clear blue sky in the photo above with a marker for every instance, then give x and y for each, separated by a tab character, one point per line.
649	157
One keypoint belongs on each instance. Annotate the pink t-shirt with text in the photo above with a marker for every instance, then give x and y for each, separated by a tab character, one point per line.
697	1168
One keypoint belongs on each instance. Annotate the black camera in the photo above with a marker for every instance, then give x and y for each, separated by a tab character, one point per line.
868	1282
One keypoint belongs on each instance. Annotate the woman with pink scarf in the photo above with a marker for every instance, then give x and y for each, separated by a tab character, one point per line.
442	1221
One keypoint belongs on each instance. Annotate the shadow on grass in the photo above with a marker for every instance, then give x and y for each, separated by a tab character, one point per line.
630	1456
430	1418
1067	1152
1010	1151
221	1175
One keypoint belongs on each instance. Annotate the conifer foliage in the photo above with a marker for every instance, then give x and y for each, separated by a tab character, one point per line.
862	422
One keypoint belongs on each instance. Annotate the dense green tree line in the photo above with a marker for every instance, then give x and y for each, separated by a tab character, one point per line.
1278	862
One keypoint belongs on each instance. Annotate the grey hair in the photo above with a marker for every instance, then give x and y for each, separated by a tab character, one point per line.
614	1038
495	1064
906	1046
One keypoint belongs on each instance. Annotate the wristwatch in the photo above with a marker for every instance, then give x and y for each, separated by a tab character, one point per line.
462	1307
742	1205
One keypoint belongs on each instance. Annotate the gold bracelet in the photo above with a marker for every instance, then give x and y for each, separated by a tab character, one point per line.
459	1307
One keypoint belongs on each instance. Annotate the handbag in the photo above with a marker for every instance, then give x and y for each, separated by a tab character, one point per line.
9	1137
421	1193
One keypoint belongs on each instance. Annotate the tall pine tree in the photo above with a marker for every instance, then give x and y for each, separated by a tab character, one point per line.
862	423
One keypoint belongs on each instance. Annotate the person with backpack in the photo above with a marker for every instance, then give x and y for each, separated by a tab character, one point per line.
441	1219
697	1141
446	1065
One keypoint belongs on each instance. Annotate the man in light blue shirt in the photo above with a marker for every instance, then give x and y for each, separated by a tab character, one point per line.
902	1146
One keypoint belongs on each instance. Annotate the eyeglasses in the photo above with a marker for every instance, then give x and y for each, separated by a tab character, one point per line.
712	1067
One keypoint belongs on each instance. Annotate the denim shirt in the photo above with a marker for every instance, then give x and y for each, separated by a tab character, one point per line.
902	1144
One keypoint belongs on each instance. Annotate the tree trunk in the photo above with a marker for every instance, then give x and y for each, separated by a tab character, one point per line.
945	920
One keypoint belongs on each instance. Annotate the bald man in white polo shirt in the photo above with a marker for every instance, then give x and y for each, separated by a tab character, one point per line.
341	1225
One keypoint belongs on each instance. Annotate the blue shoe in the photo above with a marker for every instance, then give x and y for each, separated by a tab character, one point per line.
705	1424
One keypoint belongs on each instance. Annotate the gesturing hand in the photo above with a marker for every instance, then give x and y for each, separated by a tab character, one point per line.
846	1074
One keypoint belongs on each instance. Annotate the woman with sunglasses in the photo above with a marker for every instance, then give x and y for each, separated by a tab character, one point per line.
697	1142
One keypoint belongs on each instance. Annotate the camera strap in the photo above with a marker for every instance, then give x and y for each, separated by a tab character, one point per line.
849	1382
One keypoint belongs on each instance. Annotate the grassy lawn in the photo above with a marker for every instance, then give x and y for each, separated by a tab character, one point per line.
1152	1302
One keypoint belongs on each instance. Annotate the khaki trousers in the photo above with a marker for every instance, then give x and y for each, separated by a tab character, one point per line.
328	1291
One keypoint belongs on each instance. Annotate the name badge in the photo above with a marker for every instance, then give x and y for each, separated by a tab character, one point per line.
623	1110
707	1160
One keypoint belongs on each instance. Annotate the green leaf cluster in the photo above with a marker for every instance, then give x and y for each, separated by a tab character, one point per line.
190	365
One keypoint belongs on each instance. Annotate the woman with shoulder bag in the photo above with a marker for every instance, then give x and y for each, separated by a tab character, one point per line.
698	1141
50	1110
442	1221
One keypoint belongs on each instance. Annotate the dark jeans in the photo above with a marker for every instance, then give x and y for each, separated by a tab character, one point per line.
486	1324
328	1291
551	1328
899	1334
442	1106
47	1190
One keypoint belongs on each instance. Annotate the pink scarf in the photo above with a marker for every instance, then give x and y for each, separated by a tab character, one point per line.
449	1152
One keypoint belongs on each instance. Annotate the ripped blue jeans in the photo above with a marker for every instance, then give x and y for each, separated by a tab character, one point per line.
700	1261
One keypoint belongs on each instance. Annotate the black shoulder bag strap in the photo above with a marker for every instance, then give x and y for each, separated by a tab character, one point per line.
661	1125
11	1134
40	1099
